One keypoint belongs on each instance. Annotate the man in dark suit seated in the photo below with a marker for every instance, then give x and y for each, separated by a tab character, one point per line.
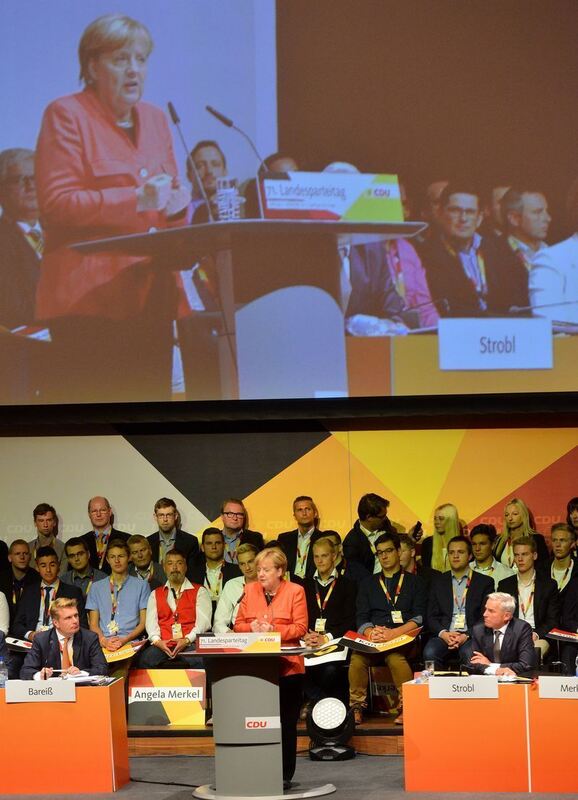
296	544
141	562
456	602
536	594
359	543
235	518
389	604
569	622
169	535
19	575
210	568
66	647
80	574
331	611
501	644
564	565
102	533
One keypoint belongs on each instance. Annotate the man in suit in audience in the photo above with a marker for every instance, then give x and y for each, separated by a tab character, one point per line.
359	544
331	610
482	538
569	622
501	644
563	567
142	565
456	602
210	568
389	604
234	517
18	576
82	574
536	594
65	648
46	524
410	564
169	535
103	532
296	544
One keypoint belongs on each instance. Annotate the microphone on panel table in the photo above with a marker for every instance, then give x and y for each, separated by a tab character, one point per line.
190	163
228	122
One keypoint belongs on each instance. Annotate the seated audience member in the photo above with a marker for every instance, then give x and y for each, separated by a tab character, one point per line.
210	163
141	564
296	544
389	604
21	238
117	607
4	614
563	567
410	281
234	516
81	574
176	613
569	622
456	603
169	535
554	273
210	568
482	538
501	644
101	518
359	543
536	594
33	613
46	524
526	223
410	564
434	549
517	523
228	603
572	516
331	611
352	570
19	575
469	275
66	647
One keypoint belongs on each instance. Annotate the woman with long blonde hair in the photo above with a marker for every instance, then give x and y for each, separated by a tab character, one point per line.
434	549
517	523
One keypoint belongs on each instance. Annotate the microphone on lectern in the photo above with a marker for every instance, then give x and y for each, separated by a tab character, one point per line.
190	163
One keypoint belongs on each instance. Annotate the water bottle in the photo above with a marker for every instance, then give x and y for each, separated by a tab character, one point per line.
4	673
228	199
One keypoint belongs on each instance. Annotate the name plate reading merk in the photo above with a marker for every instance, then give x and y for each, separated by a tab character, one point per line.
54	690
557	687
495	344
240	643
473	687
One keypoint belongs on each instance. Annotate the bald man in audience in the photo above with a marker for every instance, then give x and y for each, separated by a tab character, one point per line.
101	517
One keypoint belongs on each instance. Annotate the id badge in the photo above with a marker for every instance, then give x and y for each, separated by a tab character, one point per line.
177	630
396	617
319	625
112	626
460	621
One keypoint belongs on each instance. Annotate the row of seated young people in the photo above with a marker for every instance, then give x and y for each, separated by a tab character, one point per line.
403	594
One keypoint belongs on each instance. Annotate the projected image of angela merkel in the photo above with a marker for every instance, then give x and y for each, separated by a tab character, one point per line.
105	167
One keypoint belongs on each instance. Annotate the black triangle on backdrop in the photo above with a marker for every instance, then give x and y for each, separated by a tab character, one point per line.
207	468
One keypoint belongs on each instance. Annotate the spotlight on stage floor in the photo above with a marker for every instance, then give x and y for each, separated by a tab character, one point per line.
330	726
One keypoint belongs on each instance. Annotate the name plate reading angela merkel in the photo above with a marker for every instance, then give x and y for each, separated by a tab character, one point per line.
558	688
240	643
472	687
495	344
54	690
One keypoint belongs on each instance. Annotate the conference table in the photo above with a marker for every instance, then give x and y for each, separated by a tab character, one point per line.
518	742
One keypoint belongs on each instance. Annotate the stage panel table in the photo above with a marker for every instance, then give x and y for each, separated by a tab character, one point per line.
552	727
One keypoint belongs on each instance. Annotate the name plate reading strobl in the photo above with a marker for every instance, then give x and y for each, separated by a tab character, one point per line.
495	344
473	687
55	690
557	687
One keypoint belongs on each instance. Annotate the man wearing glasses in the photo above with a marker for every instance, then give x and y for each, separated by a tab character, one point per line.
169	535
234	517
470	275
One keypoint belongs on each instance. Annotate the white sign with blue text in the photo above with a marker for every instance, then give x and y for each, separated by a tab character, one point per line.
495	343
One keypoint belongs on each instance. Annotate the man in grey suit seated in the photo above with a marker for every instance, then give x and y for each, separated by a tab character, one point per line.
501	644
66	648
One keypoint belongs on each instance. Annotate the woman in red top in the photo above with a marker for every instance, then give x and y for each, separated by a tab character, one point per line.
274	604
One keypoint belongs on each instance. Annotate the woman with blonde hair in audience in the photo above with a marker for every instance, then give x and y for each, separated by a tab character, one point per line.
517	523
434	549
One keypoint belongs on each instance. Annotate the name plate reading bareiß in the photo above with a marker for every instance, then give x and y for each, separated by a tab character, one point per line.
472	687
495	344
557	687
54	690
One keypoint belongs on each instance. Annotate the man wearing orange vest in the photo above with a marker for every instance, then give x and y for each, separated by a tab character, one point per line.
176	613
